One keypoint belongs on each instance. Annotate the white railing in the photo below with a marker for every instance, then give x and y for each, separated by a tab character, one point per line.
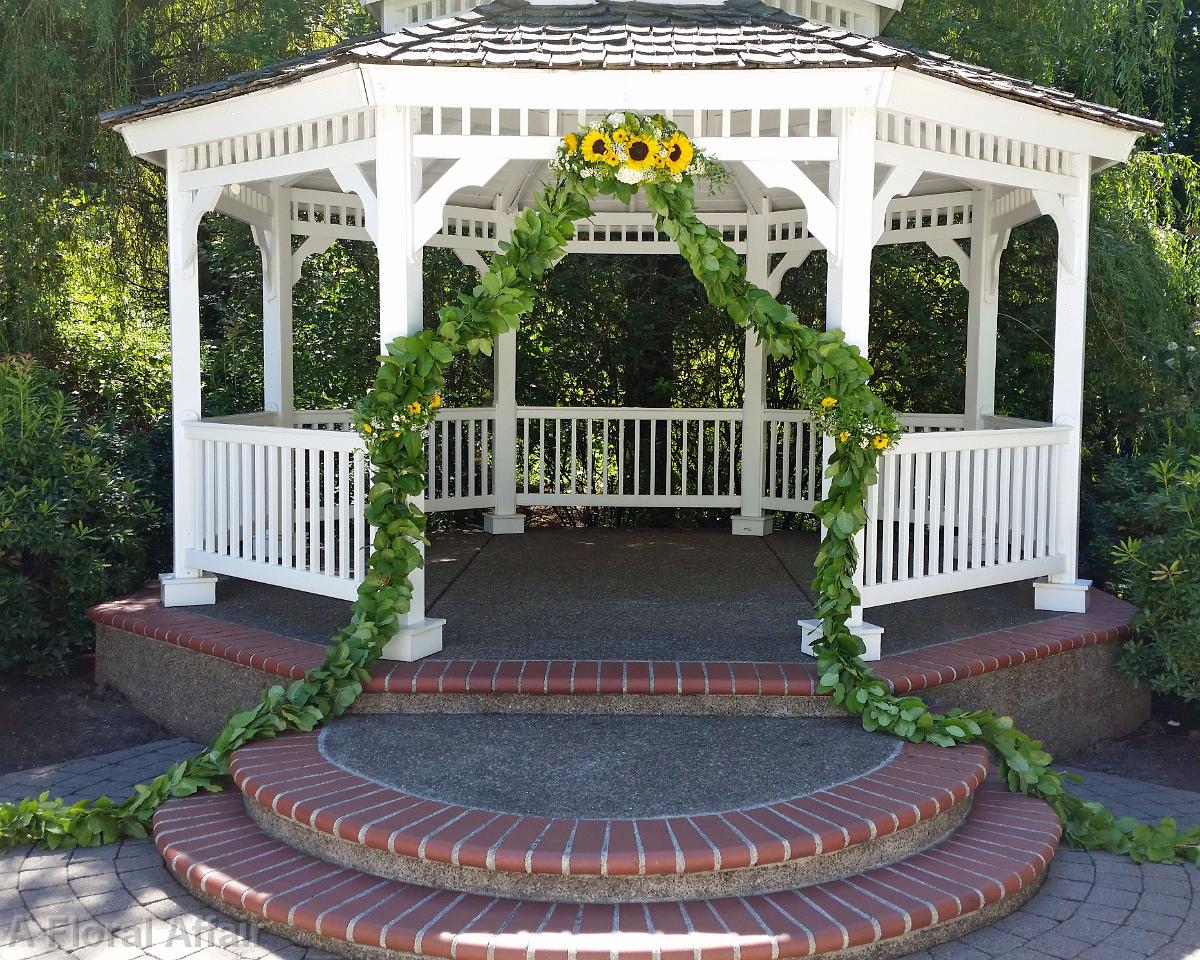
954	510
792	472
459	449
636	457
280	506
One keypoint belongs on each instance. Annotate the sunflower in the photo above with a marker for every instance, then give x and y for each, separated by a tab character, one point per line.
641	152
571	143
679	152
598	147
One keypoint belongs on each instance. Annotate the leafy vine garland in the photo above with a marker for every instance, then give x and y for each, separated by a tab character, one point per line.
618	156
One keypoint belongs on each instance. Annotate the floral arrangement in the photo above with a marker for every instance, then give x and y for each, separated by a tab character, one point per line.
625	149
876	428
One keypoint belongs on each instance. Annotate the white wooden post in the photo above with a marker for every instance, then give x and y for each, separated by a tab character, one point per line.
751	521
982	307
401	313
503	518
185	585
1064	591
848	291
278	283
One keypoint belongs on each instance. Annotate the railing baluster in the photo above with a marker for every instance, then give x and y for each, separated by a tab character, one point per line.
246	525
905	517
343	504
274	453
260	503
1003	532
934	556
327	531
920	506
888	471
991	510
361	535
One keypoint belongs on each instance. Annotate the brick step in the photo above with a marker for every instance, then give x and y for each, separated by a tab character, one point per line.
296	793
991	864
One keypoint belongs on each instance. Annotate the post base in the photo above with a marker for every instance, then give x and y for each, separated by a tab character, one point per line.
744	526
1068	597
176	591
500	523
415	641
868	633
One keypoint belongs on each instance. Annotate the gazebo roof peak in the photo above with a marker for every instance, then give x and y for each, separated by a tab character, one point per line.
864	17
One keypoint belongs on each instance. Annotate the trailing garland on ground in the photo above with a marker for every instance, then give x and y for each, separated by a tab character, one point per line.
619	156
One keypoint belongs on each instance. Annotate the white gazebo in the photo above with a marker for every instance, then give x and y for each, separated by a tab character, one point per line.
436	131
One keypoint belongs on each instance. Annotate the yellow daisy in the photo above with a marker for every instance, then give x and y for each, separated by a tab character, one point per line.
621	135
679	152
598	147
435	401
881	441
414	408
844	436
641	152
366	428
571	143
829	402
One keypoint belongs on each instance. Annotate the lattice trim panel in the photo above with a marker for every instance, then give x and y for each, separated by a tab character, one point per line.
349	127
958	141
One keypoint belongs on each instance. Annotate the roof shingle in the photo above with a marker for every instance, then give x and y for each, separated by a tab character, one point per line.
632	34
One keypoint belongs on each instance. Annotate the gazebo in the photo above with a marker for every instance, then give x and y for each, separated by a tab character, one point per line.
437	130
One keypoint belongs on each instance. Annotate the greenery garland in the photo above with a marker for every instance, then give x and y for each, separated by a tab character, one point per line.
618	156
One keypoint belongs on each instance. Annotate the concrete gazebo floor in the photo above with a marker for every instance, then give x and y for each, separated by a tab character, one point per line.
628	594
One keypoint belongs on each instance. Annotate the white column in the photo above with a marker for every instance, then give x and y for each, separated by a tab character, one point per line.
185	585
401	313
751	521
278	282
503	518
982	307
1064	591
848	285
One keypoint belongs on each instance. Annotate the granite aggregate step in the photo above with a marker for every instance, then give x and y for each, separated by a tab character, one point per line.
989	866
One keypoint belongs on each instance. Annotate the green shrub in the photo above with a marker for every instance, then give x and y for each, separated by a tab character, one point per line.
1159	572
74	530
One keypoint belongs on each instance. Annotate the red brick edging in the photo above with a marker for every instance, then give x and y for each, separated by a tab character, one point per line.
1004	847
141	614
291	776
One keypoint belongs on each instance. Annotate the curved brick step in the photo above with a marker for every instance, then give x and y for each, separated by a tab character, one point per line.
297	794
990	865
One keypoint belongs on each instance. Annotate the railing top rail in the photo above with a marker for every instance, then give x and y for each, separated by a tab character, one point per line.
629	413
980	439
335	440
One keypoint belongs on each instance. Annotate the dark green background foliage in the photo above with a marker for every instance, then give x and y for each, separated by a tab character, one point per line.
73	528
82	265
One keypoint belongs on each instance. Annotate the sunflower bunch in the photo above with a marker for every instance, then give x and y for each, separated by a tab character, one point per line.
632	150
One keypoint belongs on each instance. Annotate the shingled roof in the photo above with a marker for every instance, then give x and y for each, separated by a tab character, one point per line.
631	35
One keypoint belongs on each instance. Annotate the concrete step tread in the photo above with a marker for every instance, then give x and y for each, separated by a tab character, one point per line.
209	842
290	777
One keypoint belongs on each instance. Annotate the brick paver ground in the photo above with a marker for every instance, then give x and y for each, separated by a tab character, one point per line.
119	903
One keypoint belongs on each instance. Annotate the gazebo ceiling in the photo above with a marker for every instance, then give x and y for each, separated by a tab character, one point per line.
635	35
